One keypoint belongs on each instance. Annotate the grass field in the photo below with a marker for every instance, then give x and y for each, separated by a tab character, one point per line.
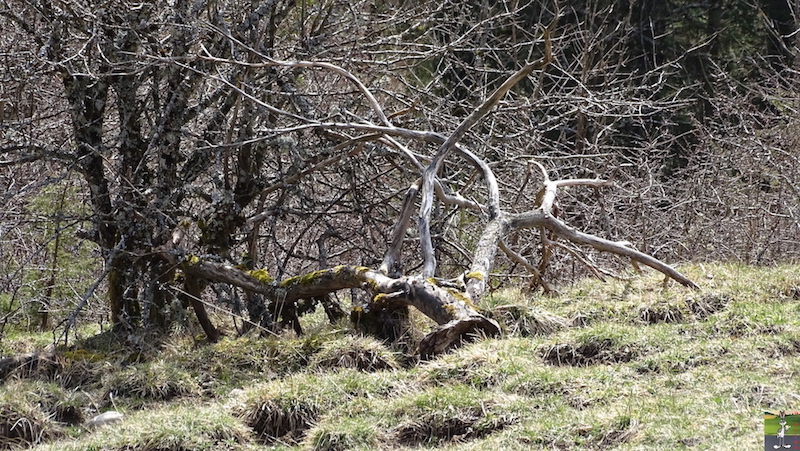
625	365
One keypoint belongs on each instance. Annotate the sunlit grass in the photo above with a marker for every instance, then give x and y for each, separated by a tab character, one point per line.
625	365
172	427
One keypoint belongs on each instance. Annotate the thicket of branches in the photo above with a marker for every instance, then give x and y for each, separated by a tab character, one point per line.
249	134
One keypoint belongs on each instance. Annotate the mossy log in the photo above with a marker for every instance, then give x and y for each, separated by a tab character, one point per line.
450	308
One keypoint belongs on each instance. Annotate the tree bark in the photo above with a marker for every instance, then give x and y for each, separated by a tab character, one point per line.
193	291
449	307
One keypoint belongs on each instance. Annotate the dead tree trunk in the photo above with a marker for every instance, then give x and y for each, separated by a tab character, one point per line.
452	305
449	307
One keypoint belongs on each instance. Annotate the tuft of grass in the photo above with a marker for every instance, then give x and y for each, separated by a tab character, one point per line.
601	344
244	361
286	410
159	380
282	419
32	411
442	414
707	304
343	434
527	321
483	364
175	427
663	312
230	363
595	432
22	425
356	351
522	314
282	411
82	369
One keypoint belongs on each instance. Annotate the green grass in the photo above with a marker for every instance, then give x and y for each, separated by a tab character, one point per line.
624	365
170	427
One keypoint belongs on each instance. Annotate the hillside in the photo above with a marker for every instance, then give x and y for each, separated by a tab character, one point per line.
628	364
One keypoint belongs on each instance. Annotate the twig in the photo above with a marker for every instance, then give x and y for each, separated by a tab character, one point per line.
516	257
73	317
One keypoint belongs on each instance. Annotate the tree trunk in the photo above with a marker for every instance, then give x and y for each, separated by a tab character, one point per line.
449	307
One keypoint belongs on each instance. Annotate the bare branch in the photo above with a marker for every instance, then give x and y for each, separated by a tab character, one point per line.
303	64
392	263
516	257
428	177
483	258
541	219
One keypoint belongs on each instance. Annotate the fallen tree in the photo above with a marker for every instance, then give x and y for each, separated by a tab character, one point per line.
452	304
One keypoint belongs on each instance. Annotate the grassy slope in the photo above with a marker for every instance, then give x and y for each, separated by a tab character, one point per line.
619	365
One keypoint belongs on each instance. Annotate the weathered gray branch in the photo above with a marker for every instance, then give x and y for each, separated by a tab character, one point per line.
484	256
432	170
538	218
392	263
544	218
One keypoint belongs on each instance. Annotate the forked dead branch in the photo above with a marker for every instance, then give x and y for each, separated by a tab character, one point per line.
452	304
